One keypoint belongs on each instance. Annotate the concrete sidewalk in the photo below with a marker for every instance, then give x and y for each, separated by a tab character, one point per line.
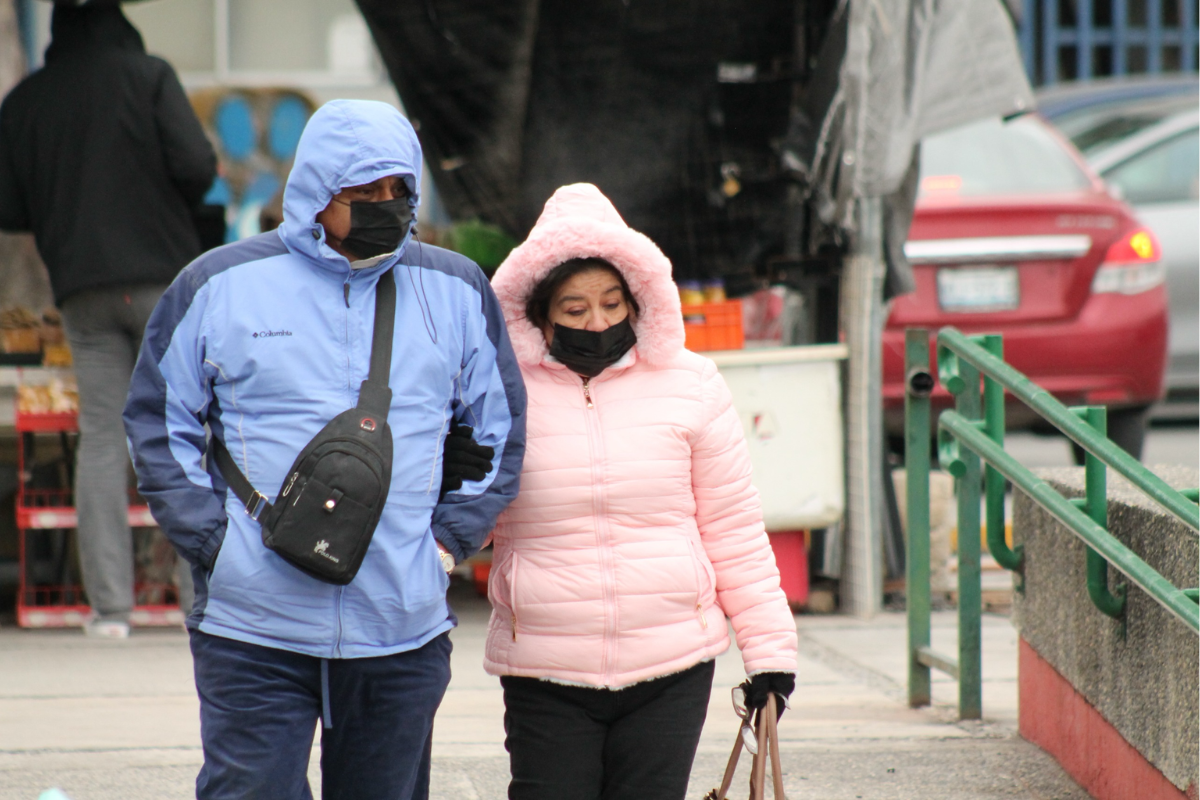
119	720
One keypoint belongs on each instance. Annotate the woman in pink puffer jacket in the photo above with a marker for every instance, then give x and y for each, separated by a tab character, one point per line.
636	530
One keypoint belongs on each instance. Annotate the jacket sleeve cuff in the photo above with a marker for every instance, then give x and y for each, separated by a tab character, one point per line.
447	540
207	555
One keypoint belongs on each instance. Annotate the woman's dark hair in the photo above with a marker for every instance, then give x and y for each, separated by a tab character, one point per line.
537	307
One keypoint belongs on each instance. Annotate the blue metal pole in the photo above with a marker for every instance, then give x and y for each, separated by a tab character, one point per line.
1049	42
1028	12
1154	32
1188	34
27	23
1120	45
1083	39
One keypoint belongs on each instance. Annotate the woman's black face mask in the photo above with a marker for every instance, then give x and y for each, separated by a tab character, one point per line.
588	353
377	228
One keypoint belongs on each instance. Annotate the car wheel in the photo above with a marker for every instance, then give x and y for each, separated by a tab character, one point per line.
1126	429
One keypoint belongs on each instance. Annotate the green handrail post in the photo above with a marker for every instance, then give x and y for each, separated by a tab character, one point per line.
961	375
961	349
918	385
1170	597
974	432
993	414
1095	505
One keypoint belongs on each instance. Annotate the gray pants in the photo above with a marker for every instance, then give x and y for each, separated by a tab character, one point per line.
104	327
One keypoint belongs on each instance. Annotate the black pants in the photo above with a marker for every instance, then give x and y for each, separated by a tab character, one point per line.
572	743
259	706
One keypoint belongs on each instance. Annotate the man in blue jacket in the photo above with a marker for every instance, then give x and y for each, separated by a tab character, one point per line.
264	341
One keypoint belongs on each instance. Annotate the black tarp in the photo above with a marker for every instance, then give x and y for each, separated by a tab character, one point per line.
698	119
517	97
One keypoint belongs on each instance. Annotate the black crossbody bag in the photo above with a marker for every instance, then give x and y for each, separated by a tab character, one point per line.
326	511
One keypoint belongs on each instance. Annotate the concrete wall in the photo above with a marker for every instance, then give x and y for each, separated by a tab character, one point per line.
1143	682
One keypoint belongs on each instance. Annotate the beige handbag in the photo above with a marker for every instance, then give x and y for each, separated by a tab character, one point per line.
760	741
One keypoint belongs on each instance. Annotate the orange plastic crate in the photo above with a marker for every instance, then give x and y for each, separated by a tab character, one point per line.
713	326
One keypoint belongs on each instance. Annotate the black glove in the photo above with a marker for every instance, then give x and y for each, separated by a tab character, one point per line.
463	459
757	687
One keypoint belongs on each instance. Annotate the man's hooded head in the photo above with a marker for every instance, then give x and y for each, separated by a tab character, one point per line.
345	143
76	28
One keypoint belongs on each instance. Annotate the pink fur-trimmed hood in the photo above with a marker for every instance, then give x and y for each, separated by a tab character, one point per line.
580	222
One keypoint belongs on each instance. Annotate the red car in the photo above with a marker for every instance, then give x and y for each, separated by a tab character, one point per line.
1014	234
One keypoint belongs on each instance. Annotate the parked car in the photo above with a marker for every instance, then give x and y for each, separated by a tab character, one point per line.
1097	114
1014	234
1157	171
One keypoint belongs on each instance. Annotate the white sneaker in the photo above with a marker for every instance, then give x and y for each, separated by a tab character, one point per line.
107	629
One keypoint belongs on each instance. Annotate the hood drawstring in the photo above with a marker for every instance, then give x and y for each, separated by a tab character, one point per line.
426	310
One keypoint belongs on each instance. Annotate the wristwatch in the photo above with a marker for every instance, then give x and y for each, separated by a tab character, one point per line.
447	561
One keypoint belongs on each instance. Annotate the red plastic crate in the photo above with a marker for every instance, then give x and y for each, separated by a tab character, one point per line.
63	607
49	606
46	423
791	556
713	326
39	509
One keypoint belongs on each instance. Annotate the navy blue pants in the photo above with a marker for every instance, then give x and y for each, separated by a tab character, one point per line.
259	707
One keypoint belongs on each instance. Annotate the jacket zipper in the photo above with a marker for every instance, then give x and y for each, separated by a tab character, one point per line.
701	577
512	600
595	443
337	647
346	341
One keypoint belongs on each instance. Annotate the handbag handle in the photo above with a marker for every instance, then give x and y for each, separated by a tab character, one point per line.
767	736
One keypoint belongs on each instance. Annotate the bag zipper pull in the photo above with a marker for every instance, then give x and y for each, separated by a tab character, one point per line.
587	395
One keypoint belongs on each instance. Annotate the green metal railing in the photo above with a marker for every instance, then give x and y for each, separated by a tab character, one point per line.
971	448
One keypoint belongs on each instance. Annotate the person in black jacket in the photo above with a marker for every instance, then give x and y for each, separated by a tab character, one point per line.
103	159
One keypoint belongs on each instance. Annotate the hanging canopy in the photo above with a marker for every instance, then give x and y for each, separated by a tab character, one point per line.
695	118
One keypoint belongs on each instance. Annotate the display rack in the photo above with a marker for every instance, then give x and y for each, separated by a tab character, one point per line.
42	511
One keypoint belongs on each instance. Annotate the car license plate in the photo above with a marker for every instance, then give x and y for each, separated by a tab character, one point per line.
978	289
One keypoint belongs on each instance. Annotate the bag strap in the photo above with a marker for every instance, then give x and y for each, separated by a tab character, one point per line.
758	773
730	768
768	744
374	396
254	501
773	738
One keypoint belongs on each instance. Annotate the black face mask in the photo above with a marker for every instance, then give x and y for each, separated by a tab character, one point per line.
589	353
377	228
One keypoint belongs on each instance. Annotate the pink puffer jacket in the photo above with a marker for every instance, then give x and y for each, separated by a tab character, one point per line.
637	528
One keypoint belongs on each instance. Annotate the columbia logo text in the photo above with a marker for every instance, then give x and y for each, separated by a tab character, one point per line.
266	334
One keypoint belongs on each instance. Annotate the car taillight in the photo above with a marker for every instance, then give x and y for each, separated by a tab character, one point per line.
1131	266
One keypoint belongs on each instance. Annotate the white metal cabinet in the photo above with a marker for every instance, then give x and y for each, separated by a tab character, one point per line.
790	402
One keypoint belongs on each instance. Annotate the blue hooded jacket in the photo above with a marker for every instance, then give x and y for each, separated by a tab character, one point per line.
265	341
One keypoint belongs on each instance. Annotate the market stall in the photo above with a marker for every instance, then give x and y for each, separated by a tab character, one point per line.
39	410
